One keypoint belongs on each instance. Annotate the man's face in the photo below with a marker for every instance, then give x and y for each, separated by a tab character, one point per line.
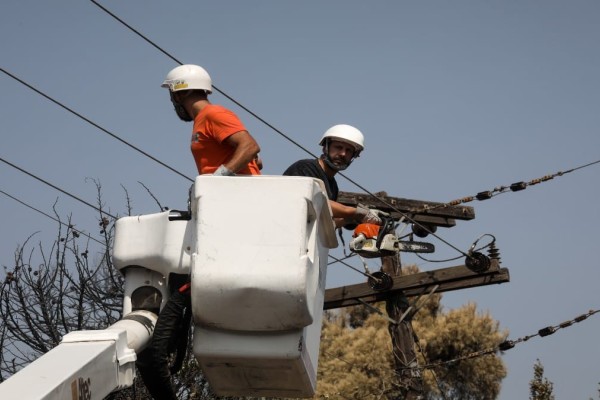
176	99
341	153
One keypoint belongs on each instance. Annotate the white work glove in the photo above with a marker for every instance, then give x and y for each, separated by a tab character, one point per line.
368	216
223	171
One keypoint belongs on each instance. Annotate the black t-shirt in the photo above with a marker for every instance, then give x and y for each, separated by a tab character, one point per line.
311	168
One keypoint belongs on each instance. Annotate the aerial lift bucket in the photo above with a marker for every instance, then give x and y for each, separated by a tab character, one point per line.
258	282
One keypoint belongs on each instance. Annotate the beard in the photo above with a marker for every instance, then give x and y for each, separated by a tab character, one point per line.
337	164
180	110
181	113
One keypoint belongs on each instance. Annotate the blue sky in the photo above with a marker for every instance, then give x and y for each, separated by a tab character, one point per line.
454	98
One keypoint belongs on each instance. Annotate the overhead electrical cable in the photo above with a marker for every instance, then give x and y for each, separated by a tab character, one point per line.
70	226
404	216
507	344
57	188
479	196
514	187
94	124
502	347
214	87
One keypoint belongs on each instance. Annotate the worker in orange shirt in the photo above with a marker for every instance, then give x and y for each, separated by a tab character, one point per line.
221	144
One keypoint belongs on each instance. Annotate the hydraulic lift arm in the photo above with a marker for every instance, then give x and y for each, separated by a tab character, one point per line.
87	365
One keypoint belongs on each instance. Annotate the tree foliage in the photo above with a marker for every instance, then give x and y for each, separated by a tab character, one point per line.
52	291
540	388
68	285
356	356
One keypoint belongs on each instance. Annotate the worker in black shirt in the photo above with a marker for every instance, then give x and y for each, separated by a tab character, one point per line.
341	145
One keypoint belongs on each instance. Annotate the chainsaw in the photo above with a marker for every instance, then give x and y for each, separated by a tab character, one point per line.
370	241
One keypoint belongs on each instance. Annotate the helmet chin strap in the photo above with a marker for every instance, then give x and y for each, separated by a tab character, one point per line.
331	165
327	160
180	110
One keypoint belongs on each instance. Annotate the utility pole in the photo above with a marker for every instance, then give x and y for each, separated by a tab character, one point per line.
431	216
402	334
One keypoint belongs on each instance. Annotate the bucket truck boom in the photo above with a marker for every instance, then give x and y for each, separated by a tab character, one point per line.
87	365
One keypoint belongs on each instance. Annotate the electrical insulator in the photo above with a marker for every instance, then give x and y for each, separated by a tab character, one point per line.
380	281
549	330
506	345
515	187
494	252
581	318
423	230
477	262
484	195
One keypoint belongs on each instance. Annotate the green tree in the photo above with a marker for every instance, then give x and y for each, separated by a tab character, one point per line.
540	388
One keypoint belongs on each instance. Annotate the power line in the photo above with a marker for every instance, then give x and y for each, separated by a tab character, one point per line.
114	136
509	344
404	216
514	187
70	226
143	37
479	196
110	215
504	346
341	259
57	188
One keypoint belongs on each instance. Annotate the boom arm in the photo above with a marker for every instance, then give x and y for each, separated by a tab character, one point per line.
87	365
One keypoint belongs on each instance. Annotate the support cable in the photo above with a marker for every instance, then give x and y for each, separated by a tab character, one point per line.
340	259
367	274
214	87
70	226
480	196
114	136
509	344
514	187
57	188
273	127
433	373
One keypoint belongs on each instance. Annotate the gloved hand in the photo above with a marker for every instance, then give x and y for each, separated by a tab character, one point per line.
223	171
369	215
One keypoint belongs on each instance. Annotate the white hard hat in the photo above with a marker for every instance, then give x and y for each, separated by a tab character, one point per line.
345	133
188	77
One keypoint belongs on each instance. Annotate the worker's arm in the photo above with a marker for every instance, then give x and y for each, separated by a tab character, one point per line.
245	150
341	214
341	211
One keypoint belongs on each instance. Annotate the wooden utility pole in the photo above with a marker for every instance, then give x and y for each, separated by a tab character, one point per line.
430	215
447	279
402	334
422	212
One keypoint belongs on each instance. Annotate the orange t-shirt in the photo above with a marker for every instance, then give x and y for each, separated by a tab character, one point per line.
212	126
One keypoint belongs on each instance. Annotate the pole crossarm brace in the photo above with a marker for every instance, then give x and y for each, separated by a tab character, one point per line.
438	213
447	279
